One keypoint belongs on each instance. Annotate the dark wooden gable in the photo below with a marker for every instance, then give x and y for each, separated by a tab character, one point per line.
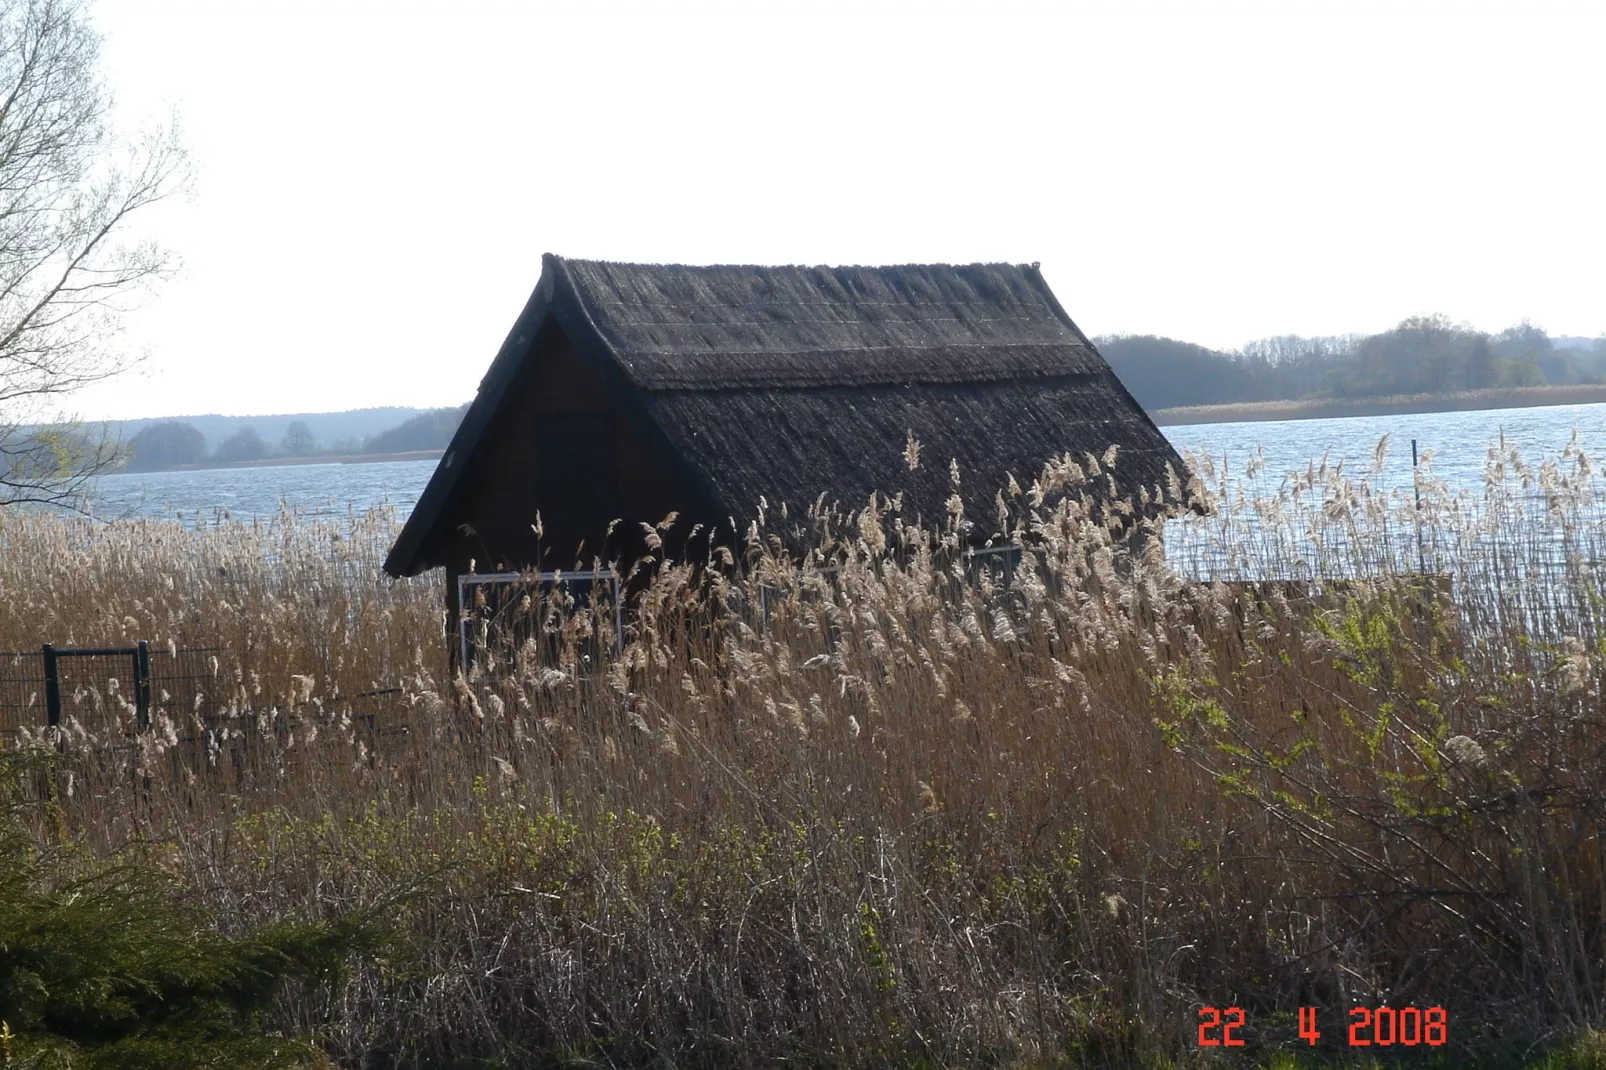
556	447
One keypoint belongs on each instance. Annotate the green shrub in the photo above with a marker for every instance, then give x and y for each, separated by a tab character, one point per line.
101	965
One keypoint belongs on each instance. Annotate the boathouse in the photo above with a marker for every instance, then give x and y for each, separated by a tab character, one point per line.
631	391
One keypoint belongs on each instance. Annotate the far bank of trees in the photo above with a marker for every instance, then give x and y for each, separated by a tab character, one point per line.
1422	355
431	430
166	445
174	443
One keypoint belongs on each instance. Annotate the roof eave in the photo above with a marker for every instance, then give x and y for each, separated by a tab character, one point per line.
408	555
1035	273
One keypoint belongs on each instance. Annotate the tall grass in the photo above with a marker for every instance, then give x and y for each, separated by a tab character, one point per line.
882	806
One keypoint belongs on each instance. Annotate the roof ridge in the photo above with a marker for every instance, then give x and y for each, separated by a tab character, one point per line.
800	267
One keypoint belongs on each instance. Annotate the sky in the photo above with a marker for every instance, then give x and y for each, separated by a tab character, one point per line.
375	183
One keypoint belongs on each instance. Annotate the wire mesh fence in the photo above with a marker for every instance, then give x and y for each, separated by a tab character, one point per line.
100	688
22	690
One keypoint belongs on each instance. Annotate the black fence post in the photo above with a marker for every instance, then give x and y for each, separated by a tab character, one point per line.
142	683
52	687
1416	482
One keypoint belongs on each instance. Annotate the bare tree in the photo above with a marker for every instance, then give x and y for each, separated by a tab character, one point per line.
164	445
298	440
244	445
69	268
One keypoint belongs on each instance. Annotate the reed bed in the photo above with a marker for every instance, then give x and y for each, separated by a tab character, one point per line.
892	803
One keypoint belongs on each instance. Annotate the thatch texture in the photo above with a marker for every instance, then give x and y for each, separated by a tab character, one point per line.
719	328
784	383
793	445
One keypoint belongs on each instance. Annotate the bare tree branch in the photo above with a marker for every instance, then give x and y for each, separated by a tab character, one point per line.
69	268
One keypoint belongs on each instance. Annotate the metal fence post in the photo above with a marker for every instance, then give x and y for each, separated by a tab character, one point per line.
52	687
1416	482
142	683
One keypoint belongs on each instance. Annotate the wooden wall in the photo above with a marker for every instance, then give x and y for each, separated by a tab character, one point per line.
500	495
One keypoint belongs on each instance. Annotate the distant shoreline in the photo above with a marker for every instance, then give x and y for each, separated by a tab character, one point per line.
289	462
1517	397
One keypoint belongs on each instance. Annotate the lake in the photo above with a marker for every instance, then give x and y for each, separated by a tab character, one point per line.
1460	442
212	494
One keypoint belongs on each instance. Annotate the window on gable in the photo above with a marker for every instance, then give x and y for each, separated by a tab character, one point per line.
579	479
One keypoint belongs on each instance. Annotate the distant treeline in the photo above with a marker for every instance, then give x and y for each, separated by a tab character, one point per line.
172	443
1423	355
431	430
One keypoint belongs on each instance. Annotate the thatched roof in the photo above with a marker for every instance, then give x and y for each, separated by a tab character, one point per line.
783	383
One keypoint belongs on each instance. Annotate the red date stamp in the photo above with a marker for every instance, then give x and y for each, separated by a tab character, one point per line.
1217	1030
1406	1026
1369	1027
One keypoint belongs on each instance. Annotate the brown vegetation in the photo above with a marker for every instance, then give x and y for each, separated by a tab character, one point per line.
898	812
1504	397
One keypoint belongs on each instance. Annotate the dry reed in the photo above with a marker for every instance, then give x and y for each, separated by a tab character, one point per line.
892	804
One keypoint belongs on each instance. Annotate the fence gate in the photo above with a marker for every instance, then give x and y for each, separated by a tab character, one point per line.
36	687
504	609
140	657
